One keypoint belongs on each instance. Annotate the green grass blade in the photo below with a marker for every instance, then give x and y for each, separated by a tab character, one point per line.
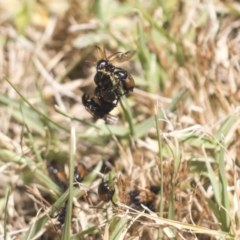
68	220
226	126
225	197
160	234
31	118
119	228
214	182
128	114
103	130
6	214
142	129
42	221
35	109
11	156
198	141
90	230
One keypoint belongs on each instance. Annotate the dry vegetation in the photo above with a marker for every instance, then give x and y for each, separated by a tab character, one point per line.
178	130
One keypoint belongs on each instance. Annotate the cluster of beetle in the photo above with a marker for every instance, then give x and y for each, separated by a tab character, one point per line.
106	192
111	84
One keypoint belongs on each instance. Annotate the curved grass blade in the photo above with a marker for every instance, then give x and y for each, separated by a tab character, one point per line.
35	109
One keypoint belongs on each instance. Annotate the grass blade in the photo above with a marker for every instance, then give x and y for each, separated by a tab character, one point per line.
68	220
142	129
225	197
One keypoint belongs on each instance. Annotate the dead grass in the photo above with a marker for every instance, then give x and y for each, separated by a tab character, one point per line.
179	129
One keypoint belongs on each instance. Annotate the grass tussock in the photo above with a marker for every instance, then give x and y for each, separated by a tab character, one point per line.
175	146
